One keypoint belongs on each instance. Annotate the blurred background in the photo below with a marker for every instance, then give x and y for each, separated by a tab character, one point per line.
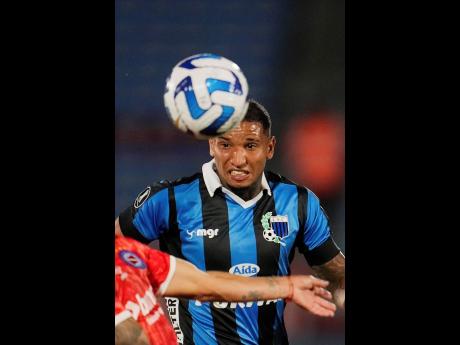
293	56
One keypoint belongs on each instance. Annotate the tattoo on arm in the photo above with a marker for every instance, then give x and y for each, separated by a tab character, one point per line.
271	282
334	271
254	295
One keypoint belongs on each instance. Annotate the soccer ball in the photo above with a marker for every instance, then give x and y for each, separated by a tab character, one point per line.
269	235
206	95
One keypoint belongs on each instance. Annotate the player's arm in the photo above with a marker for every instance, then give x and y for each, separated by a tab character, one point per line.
306	291
117	228
130	332
334	272
320	249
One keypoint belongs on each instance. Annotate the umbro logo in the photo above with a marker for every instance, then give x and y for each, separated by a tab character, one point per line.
210	233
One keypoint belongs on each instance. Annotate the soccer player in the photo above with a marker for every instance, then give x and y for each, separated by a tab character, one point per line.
143	273
235	217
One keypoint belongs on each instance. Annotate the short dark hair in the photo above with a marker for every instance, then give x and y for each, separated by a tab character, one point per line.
257	113
130	332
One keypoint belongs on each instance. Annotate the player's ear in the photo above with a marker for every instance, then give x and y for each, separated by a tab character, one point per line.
211	147
271	147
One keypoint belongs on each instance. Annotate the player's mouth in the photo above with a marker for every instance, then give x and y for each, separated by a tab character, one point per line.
239	175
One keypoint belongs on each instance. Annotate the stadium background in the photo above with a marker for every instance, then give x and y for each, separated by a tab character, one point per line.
293	55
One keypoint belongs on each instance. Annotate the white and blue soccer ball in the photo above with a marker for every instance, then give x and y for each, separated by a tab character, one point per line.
206	95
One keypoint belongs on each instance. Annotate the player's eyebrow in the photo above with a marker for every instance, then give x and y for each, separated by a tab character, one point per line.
246	139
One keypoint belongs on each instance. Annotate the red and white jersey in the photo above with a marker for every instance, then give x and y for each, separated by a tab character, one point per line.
141	274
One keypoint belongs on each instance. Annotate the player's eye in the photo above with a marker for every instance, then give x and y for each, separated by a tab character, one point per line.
251	146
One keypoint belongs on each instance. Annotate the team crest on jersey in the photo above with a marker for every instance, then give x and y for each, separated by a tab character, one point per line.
144	195
275	228
132	259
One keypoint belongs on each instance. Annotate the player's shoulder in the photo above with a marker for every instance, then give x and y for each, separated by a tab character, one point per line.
162	184
131	251
275	178
187	180
125	243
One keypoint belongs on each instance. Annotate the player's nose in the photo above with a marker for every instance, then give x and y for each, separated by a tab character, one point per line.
238	157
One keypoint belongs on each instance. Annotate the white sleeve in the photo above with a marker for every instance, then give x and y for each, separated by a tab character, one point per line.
172	270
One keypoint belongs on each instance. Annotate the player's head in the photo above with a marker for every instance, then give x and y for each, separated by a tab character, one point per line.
257	113
241	153
129	332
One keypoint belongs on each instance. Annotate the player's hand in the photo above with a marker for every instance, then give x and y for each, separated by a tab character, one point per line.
310	294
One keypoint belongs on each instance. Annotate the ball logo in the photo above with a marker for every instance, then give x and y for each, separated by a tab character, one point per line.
187	63
132	259
246	269
142	197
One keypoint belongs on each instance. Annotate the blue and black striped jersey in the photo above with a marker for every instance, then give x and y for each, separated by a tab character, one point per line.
215	231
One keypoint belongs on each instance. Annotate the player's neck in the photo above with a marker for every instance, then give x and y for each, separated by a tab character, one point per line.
247	193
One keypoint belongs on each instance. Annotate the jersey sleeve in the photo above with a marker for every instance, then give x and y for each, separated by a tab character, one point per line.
148	217
318	245
161	268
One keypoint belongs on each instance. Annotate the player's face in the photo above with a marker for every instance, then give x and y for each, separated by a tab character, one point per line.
241	154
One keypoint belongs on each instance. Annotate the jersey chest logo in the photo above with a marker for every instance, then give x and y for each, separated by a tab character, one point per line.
210	233
275	228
